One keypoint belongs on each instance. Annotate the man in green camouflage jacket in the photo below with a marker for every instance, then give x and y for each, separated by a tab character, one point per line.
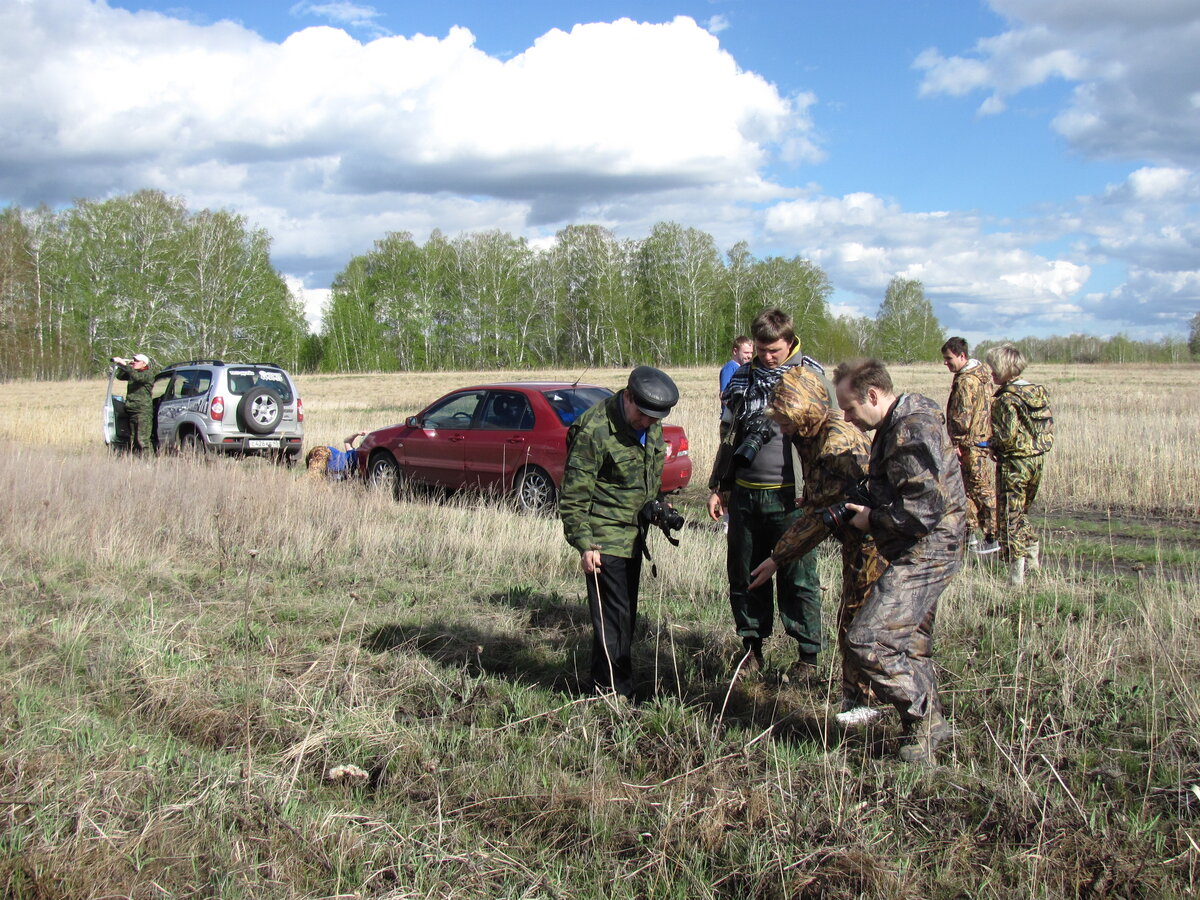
969	421
918	517
1022	434
615	457
138	404
834	455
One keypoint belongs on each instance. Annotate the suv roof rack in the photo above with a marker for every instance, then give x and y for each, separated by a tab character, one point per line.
198	362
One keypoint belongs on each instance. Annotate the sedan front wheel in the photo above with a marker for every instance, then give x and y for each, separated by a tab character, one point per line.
384	472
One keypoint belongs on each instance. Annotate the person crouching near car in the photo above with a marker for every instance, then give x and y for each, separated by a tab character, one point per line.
615	457
138	404
918	517
332	463
1022	434
834	455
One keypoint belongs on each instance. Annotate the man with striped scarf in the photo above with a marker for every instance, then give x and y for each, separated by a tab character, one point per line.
754	480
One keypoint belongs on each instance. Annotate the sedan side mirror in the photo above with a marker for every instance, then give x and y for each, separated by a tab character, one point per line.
413	422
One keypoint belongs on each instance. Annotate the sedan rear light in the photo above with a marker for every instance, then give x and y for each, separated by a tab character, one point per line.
683	446
299	410
217	408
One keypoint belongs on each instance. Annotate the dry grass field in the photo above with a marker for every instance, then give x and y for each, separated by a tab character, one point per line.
220	679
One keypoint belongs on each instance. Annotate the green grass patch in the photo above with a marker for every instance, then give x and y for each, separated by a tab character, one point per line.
1127	553
1126	527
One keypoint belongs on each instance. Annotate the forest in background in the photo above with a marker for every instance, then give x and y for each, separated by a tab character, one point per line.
143	272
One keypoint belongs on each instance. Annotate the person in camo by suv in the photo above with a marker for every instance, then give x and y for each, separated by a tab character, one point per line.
138	404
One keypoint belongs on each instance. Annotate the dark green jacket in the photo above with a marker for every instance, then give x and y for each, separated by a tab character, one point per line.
609	477
137	397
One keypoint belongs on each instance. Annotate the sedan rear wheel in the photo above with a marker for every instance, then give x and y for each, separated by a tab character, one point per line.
534	490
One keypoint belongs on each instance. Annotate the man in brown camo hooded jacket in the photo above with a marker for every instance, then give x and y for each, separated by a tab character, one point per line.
969	422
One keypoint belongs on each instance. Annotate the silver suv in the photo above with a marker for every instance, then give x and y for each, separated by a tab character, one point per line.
207	405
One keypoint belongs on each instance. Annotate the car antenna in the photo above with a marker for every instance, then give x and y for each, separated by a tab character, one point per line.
580	378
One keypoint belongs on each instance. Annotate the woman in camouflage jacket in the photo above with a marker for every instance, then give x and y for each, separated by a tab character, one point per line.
834	455
1022	433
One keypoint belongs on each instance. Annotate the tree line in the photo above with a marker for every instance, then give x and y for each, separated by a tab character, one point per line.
491	300
142	272
138	273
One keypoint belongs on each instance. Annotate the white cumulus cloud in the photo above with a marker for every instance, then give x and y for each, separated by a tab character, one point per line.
1133	67
970	275
318	135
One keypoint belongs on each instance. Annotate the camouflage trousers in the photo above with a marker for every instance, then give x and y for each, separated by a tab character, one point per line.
891	638
1017	479
979	478
141	423
861	567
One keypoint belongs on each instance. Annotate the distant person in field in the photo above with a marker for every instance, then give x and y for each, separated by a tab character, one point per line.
969	421
139	406
332	463
918	517
741	353
1022	434
615	457
834	455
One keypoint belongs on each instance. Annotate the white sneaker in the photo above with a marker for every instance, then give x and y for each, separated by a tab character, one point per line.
858	717
985	547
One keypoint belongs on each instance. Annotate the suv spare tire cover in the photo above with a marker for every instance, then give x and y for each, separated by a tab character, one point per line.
260	410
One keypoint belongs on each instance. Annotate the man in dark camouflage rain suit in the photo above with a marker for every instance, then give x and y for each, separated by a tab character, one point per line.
1022	433
969	421
138	404
834	456
918	517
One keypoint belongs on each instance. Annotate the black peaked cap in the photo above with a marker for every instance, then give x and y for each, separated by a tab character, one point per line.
652	390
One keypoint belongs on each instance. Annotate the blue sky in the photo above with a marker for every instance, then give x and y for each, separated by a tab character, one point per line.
1035	163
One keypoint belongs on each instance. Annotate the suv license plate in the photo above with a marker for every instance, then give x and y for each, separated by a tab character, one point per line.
262	445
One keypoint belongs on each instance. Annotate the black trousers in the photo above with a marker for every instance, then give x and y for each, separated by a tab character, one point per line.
614	615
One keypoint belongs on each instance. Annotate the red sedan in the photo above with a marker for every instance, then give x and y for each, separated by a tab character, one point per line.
499	437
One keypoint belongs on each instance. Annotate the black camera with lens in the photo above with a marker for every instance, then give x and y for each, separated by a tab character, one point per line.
658	514
835	516
755	433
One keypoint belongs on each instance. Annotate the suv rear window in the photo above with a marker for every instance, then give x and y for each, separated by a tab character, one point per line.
242	378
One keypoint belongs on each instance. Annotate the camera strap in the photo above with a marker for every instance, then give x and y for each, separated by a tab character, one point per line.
645	548
643	533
